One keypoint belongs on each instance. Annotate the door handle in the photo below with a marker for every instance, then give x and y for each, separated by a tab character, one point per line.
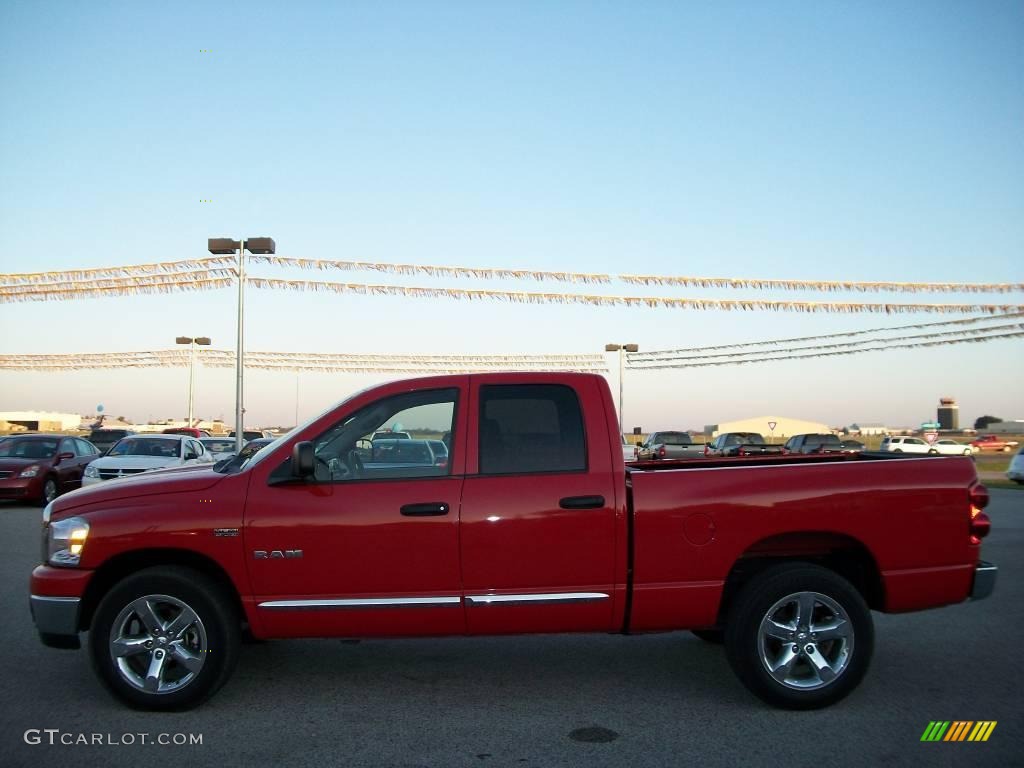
429	509
581	502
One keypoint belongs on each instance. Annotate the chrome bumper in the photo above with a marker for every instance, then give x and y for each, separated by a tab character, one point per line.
984	580
56	619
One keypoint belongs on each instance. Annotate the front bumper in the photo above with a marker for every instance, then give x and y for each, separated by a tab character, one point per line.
984	580
56	619
21	487
55	602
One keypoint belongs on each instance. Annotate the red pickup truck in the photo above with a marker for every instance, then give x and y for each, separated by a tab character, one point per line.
993	443
533	525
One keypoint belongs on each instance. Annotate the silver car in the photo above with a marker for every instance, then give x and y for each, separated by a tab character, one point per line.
1016	469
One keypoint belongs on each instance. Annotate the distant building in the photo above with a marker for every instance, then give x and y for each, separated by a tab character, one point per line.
1004	427
41	421
948	414
785	427
868	429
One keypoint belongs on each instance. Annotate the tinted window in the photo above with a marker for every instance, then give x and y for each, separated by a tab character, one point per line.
28	449
146	446
674	438
530	428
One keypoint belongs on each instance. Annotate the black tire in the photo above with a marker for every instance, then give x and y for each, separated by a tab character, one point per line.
932	452
744	642
51	490
214	638
713	636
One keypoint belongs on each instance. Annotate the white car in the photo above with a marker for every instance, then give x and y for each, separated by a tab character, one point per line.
219	447
952	448
142	453
901	444
1015	471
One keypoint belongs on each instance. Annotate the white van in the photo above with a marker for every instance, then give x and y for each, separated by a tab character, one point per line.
900	444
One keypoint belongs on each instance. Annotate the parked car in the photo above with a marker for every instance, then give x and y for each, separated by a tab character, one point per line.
813	443
948	447
143	453
667	445
219	448
531	529
252	434
629	451
740	444
190	431
440	449
104	439
388	434
1015	471
994	443
903	444
41	467
851	446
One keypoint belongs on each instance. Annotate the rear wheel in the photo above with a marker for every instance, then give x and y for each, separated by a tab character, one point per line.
799	636
165	638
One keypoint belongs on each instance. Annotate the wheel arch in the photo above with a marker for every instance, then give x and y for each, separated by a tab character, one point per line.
125	564
838	552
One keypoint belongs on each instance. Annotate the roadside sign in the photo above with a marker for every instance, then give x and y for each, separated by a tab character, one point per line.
771	425
931	435
99	408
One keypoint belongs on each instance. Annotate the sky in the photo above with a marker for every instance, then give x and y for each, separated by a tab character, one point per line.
818	141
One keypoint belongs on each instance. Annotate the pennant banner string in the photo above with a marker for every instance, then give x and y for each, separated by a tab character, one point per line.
968	321
639	365
976	339
165	267
502	273
524	297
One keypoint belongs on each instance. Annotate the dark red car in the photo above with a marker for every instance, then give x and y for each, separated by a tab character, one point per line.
41	467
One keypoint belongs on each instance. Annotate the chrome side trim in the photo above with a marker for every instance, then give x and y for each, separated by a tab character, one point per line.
360	603
739	465
554	598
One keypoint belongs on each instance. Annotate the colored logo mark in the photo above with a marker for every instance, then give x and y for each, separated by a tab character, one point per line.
958	730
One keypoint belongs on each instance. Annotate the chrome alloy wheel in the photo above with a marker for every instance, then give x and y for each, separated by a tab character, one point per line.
158	644
805	641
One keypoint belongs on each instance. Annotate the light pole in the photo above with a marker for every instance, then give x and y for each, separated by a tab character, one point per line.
224	246
620	348
203	341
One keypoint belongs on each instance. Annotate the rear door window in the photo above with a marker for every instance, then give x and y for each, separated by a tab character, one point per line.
531	428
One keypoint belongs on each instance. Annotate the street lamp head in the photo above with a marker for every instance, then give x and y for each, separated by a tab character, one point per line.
261	245
631	347
183	340
222	245
203	341
612	347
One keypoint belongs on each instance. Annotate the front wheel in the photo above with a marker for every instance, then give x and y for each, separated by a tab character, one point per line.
50	491
799	636
165	638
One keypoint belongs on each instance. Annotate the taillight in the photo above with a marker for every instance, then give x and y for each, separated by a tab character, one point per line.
662	452
980	524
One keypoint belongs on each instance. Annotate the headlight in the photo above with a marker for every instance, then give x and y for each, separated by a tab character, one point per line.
91	471
31	471
66	539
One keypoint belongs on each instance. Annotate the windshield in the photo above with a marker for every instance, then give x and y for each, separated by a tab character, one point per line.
146	446
21	448
219	446
674	438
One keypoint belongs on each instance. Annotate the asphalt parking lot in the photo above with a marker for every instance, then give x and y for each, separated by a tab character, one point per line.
658	700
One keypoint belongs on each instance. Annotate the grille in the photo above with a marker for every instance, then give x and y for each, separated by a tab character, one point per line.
109	474
5	474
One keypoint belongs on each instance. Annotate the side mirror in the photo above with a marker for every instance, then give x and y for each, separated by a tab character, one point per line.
303	460
64	456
